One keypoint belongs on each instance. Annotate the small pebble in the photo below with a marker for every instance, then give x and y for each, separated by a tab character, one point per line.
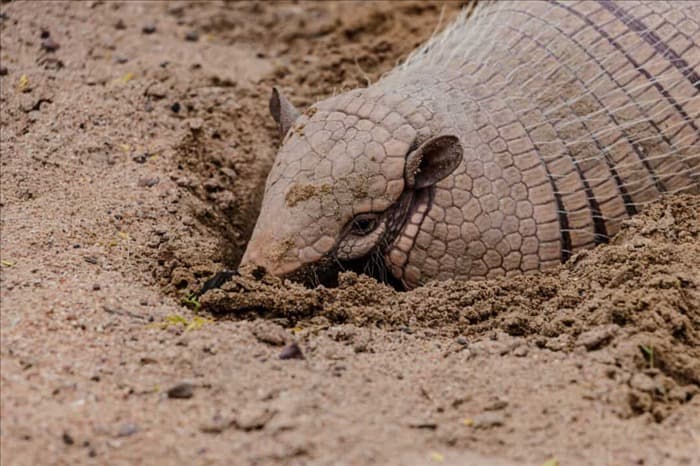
559	343
360	347
291	351
114	444
175	107
230	173
139	158
640	401
148	29
121	60
488	420
147	182
678	394
67	438
212	185
254	419
195	124
120	24
50	45
423	424
496	405
45	34
96	287
127	430
267	332
51	63
217	425
597	337
192	36
462	341
157	90
182	390
3	70
642	382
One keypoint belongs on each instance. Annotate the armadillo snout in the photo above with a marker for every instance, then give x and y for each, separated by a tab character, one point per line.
273	256
317	271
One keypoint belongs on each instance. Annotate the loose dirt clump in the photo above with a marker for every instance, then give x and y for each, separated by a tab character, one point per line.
637	298
300	193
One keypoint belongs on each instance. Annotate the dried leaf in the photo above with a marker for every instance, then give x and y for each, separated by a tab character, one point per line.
23	83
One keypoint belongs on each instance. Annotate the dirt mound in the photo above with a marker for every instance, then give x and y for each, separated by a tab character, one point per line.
638	298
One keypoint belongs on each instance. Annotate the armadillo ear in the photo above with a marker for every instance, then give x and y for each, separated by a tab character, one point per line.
282	111
432	161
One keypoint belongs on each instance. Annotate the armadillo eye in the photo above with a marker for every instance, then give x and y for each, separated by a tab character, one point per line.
364	224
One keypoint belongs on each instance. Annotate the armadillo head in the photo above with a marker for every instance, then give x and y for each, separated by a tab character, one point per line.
343	184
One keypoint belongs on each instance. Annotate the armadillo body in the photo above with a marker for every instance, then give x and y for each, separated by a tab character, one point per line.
515	138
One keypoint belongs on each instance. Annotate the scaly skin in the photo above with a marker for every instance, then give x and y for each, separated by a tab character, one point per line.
568	119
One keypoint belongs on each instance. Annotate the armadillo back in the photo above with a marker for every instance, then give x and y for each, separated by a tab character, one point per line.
573	115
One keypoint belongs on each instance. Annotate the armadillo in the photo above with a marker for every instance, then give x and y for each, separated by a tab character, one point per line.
521	134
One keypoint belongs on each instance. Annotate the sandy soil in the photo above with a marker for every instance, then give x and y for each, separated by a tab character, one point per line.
133	157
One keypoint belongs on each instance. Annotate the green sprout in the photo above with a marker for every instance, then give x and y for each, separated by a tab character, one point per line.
192	301
648	352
